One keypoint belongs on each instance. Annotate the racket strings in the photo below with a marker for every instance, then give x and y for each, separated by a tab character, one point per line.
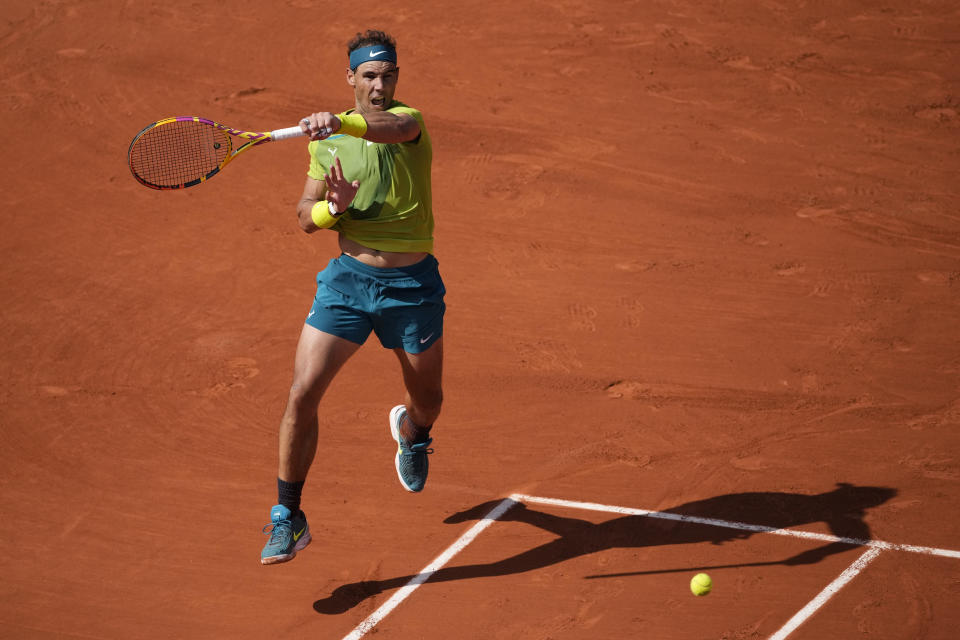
175	153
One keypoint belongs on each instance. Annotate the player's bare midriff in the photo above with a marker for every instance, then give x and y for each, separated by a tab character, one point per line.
380	259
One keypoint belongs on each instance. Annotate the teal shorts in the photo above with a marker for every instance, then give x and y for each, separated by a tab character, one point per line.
403	306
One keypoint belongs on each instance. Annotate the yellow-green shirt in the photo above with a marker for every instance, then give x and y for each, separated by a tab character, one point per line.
393	209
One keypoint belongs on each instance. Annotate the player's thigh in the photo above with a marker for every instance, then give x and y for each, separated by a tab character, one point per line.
423	373
319	357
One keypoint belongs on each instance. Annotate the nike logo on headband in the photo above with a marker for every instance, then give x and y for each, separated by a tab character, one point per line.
373	53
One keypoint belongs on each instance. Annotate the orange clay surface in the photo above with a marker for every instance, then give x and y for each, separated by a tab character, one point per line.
701	257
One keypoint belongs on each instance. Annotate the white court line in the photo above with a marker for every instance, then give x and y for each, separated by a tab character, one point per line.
429	570
807	535
849	574
875	547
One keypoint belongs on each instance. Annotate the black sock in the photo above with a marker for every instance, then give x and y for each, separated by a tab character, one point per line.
420	434
289	493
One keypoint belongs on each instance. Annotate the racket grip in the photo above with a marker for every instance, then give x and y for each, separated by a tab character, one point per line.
289	132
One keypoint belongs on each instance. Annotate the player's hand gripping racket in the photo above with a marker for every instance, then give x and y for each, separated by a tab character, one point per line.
175	153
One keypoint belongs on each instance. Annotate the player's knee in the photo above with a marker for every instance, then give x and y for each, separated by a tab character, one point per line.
303	398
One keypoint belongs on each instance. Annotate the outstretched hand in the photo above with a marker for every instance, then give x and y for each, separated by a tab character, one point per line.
339	191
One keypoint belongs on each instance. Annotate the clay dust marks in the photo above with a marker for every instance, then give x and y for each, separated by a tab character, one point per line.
541	254
516	182
612	449
547	356
240	93
781	83
671	184
57	391
938	277
631	312
520	180
636	266
72	52
476	166
785	269
665	394
906	602
935	464
583	317
885	229
947	417
942	111
232	375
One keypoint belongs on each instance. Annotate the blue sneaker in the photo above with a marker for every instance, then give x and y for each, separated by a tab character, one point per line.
411	459
287	535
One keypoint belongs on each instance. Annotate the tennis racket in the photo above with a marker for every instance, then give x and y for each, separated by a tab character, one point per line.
180	152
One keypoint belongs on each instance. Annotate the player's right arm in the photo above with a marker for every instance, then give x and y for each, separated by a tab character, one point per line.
377	126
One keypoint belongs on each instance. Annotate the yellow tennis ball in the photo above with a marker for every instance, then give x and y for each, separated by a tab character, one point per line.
701	584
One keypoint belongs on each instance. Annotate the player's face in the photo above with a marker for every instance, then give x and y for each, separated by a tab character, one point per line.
374	84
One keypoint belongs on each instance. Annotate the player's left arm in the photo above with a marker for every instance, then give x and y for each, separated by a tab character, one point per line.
333	187
313	192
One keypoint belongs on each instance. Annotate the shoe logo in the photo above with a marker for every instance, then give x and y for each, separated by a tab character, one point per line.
296	536
424	340
374	54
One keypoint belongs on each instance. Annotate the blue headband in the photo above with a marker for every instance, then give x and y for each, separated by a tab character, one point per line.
372	53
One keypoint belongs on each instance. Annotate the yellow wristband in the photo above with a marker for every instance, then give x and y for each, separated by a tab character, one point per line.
352	124
320	213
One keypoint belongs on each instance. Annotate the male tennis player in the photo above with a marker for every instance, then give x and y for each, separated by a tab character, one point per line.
369	180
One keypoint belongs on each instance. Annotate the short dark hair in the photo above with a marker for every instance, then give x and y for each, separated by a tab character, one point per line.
370	37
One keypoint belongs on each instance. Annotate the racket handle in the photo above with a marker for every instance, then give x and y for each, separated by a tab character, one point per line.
289	132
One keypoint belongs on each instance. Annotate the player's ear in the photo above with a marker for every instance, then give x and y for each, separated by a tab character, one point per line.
351	78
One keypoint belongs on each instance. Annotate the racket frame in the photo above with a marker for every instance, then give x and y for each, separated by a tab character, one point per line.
253	139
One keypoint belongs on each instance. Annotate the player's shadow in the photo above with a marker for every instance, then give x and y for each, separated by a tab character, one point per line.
841	509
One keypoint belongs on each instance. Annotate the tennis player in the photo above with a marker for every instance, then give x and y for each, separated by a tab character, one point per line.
369	181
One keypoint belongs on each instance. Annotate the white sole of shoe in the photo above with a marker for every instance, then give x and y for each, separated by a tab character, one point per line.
395	431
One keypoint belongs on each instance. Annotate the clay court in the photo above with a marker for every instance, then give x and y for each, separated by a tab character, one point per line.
703	272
